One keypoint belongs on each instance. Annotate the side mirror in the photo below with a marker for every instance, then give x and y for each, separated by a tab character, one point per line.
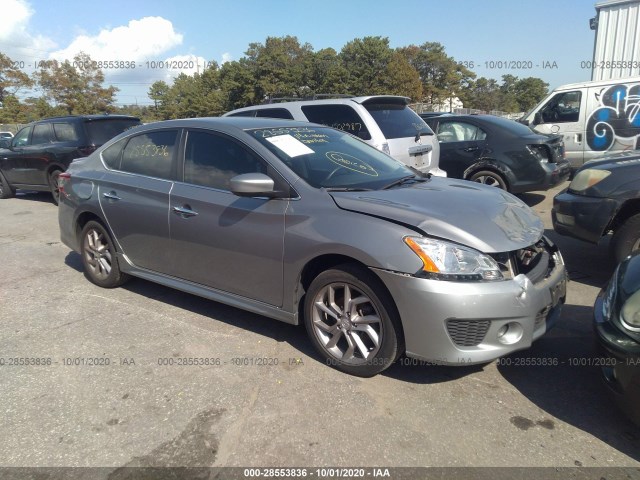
537	118
253	185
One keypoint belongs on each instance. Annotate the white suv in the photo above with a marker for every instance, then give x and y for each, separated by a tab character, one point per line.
385	122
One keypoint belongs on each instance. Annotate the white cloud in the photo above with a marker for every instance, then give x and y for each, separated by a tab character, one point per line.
16	39
226	57
138	40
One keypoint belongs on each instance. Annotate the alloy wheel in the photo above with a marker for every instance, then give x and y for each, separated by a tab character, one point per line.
97	254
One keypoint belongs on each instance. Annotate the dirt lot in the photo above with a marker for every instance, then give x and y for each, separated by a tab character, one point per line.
110	391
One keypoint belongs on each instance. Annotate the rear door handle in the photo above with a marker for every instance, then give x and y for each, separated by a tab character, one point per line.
111	196
185	211
578	137
470	149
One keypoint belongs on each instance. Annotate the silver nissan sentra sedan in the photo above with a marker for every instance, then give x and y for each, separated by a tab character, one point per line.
307	224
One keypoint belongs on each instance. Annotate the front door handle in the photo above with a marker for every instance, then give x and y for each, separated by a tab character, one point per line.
111	195
470	149
185	211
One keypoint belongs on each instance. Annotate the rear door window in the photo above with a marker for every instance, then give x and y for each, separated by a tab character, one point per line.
41	134
397	121
459	132
342	117
152	154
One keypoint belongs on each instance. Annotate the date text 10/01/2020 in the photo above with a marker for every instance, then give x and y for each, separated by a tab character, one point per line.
118	64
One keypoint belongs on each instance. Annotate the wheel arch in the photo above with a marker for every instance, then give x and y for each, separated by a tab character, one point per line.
491	165
627	210
324	262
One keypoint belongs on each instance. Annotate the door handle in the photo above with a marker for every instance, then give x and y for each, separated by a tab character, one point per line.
111	196
578	137
470	149
185	211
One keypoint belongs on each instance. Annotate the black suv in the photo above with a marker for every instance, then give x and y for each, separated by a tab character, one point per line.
603	198
39	152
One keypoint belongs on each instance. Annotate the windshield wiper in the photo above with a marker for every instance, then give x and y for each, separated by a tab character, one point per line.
347	189
403	180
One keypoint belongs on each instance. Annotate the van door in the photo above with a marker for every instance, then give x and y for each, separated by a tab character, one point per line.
564	114
612	119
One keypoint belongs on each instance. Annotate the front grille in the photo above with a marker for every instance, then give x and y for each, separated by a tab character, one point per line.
467	333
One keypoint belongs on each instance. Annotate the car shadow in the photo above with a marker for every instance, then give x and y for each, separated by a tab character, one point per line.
531	199
44	197
74	260
586	263
560	374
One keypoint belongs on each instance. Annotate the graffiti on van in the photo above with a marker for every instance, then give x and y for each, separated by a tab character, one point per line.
616	120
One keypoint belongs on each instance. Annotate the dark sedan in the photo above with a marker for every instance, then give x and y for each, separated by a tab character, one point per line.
603	198
499	152
617	325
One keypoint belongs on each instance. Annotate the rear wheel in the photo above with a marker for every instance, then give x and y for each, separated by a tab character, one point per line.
490	178
626	239
99	257
5	189
352	321
53	185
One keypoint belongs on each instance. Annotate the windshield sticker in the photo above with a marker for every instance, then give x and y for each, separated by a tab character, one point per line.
351	163
290	146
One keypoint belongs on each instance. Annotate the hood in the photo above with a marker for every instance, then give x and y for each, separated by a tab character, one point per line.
481	217
620	160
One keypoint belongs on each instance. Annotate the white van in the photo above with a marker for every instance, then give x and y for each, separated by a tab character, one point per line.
595	118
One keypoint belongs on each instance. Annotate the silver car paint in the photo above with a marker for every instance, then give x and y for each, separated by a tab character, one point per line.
367	227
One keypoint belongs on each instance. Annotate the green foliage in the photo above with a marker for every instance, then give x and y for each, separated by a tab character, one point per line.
513	95
279	67
76	87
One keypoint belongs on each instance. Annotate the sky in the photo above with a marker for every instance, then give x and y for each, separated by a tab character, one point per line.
549	39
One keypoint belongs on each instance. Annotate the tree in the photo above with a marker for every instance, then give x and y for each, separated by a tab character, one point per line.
442	77
327	73
401	78
238	84
484	94
280	67
76	86
12	79
529	91
365	59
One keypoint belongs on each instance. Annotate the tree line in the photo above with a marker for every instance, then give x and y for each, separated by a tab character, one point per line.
279	67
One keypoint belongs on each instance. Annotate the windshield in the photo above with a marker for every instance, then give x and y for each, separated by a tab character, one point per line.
325	157
397	121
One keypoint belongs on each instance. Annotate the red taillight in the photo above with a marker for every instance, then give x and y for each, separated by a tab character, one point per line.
63	178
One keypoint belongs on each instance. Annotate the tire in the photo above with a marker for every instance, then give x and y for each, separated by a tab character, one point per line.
626	239
362	348
99	257
53	185
5	189
488	177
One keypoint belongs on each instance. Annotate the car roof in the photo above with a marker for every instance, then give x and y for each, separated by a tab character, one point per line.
362	100
241	123
88	117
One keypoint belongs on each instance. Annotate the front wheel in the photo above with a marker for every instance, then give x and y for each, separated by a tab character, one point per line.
99	257
490	178
626	239
352	321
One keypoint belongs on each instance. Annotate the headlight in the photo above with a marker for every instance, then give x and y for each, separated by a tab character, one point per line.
587	179
630	313
447	261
